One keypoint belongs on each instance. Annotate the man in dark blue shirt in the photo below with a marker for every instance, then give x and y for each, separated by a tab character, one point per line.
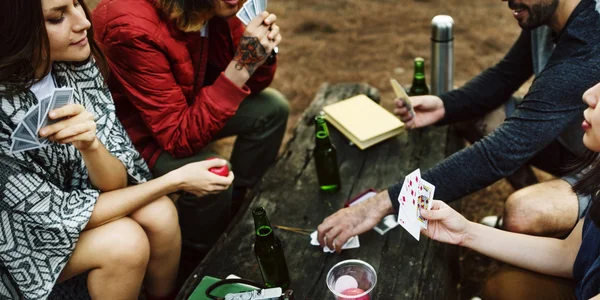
548	117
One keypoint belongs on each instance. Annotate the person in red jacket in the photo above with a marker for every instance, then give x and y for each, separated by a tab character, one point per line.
185	73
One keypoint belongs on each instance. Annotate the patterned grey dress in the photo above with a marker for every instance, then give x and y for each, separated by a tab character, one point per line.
46	198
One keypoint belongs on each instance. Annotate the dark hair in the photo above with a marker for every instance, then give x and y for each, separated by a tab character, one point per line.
589	182
189	15
25	47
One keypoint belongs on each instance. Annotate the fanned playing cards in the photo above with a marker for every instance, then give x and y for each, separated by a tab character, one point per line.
416	194
251	9
25	137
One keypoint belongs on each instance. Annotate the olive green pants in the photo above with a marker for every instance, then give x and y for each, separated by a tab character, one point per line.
259	124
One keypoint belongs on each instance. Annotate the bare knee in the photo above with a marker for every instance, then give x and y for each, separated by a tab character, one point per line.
498	284
158	218
547	209
127	246
521	214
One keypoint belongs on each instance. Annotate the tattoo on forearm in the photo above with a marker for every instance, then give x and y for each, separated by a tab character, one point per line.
250	52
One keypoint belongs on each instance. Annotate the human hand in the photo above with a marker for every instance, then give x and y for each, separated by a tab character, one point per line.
348	222
428	110
445	224
198	180
78	127
258	41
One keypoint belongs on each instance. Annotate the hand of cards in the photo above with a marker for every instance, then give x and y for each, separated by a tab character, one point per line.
25	137
350	244
416	194
251	9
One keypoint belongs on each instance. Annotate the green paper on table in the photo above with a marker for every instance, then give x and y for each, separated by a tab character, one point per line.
221	291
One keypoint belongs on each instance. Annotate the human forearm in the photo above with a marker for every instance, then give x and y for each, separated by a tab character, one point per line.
493	86
116	204
540	254
262	78
239	76
106	172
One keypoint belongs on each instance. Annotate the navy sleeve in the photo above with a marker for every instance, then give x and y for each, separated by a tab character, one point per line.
552	104
492	87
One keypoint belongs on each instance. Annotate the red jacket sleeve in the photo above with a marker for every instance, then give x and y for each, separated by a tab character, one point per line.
139	65
263	76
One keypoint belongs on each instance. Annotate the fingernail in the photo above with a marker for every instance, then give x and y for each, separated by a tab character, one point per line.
43	132
52	114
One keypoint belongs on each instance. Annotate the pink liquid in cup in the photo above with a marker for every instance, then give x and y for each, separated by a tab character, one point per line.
354	292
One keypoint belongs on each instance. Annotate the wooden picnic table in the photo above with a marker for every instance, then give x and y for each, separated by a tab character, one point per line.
406	269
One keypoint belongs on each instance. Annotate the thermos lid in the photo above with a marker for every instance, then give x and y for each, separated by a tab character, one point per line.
442	28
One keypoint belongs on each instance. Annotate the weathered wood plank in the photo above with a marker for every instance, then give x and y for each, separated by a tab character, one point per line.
406	269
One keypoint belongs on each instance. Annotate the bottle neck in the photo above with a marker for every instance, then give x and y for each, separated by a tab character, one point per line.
322	133
262	226
419	77
265	233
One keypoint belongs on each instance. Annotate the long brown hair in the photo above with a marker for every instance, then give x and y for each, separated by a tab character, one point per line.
25	47
190	15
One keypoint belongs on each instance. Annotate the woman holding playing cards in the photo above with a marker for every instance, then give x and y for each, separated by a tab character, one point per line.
185	73
576	259
76	199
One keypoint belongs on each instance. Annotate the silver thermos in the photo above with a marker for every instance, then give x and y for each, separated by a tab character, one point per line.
442	54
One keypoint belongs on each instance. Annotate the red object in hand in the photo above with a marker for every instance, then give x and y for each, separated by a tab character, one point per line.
354	292
221	171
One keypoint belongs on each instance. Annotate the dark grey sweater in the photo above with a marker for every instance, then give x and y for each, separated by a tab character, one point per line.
551	110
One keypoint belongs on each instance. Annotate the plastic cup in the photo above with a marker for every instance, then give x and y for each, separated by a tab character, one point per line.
352	279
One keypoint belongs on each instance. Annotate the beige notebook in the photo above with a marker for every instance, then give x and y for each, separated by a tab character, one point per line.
363	121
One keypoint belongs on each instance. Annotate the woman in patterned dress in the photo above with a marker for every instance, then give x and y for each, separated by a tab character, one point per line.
80	201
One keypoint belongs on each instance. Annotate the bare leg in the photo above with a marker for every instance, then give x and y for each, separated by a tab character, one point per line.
159	220
546	209
117	254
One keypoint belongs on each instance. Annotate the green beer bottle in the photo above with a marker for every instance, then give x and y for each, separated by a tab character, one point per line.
328	172
269	252
419	85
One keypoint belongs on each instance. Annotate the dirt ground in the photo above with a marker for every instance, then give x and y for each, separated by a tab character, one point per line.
370	41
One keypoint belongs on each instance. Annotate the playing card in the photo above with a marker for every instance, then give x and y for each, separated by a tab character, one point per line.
350	244
253	5
409	194
250	10
31	120
60	98
408	198
19	146
23	134
261	5
410	225
44	106
243	16
400	93
386	224
424	201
